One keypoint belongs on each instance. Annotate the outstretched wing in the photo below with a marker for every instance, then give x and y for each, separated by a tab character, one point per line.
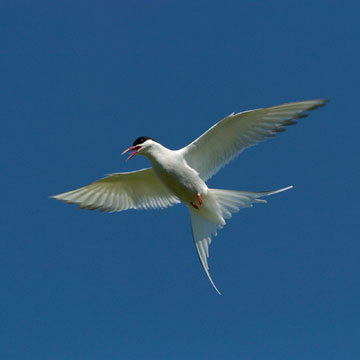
133	190
230	136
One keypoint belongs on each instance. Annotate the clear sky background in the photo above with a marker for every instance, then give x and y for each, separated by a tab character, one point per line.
80	80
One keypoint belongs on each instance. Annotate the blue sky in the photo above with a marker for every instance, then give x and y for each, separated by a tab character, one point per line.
80	81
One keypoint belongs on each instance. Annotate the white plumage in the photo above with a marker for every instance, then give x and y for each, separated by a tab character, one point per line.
140	189
180	175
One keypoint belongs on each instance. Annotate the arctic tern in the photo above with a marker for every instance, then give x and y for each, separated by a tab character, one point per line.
180	175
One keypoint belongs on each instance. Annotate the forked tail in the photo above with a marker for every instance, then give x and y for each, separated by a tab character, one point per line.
228	202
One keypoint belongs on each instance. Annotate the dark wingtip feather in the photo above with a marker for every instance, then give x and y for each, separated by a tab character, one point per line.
290	122
321	102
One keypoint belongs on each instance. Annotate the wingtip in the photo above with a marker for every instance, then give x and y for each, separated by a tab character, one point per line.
321	102
57	197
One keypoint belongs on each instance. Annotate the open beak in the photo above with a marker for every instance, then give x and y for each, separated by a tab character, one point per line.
132	148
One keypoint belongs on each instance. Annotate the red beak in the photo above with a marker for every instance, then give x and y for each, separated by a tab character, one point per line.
132	148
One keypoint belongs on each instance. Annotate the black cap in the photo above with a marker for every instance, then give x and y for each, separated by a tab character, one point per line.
141	140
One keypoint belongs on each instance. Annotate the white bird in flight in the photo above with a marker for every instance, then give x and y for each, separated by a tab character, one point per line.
180	175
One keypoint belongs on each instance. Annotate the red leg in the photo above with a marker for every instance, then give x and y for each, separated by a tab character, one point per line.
194	205
199	198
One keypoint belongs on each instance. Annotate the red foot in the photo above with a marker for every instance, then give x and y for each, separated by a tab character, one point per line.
199	198
194	205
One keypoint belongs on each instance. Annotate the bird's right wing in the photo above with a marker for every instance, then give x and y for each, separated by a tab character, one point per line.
226	139
140	189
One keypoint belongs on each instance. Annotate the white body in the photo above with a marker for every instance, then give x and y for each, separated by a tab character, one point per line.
173	170
181	175
183	181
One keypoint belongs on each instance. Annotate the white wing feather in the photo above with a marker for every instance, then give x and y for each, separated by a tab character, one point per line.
133	190
226	139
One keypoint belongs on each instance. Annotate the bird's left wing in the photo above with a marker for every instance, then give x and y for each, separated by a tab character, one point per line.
140	189
226	139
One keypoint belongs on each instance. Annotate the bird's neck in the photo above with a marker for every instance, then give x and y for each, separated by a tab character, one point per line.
157	152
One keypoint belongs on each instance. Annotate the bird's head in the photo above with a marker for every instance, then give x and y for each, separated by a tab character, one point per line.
142	145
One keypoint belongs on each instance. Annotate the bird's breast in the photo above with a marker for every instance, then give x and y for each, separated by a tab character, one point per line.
180	179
